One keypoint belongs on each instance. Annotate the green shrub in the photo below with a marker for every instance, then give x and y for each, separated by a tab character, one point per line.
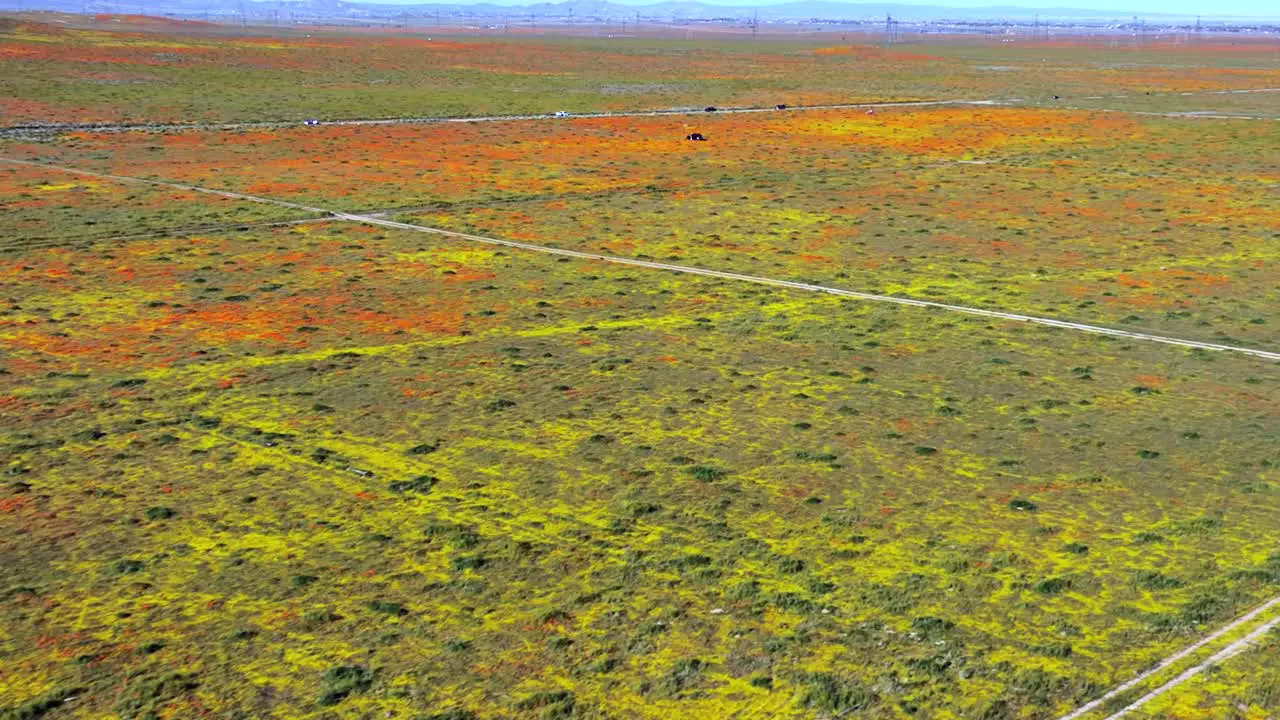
126	567
820	587
1155	580
453	714
1056	649
931	626
1053	586
390	608
936	664
689	561
420	484
1204	608
340	682
556	616
144	696
636	509
1201	526
790	565
38	707
826	692
897	598
684	673
88	435
317	617
792	602
468	562
704	473
543	699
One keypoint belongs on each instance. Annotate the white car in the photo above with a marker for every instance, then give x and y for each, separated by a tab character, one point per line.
561	113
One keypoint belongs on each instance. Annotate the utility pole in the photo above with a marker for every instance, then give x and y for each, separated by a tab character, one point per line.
755	24
888	29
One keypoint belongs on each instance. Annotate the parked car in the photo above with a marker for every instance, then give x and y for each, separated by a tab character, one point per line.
711	108
561	113
780	106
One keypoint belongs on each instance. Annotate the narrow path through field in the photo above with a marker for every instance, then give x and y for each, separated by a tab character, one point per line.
174	127
37	129
1230	650
809	287
1187	115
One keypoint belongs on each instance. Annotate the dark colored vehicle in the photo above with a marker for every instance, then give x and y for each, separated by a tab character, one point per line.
780	106
697	137
711	108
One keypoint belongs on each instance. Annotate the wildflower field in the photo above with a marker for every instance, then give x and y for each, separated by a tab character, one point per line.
149	70
263	461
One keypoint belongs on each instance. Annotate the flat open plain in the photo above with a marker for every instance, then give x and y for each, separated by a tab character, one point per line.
285	452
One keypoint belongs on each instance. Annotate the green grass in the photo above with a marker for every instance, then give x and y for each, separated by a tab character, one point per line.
538	543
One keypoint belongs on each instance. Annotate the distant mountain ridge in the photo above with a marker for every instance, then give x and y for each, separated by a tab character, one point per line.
589	10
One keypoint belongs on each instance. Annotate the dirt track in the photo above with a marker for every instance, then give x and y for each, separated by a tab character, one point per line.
29	130
46	129
1234	648
370	220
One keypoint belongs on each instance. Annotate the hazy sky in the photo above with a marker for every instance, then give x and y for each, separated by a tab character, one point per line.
1219	8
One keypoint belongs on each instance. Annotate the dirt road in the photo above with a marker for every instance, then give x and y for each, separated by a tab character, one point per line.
808	287
37	129
1233	649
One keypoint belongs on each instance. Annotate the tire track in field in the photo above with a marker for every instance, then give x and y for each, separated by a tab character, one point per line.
1229	651
685	269
21	130
55	128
